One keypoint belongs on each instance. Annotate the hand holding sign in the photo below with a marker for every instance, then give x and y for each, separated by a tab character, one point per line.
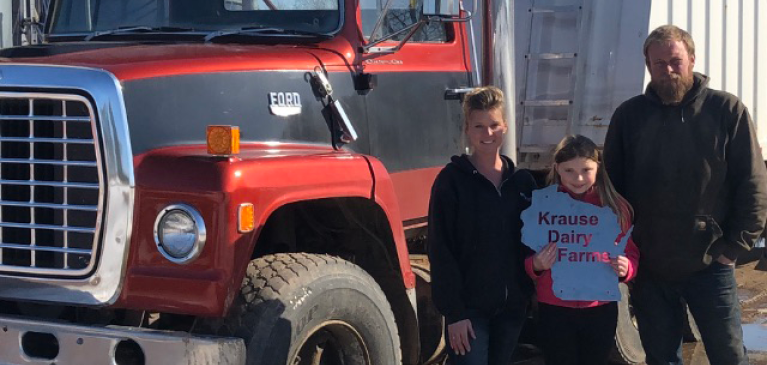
581	240
545	258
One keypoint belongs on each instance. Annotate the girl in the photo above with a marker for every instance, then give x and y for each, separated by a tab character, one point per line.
580	332
477	260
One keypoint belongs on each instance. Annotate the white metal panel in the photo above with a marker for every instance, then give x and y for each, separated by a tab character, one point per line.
729	42
698	27
6	24
715	39
731	57
678	13
760	65
746	44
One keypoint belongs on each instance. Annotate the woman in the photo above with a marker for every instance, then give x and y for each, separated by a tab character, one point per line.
478	278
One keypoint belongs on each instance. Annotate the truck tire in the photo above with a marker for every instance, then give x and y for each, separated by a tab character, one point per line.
431	323
301	309
628	347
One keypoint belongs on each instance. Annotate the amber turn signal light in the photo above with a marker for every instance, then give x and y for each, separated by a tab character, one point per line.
246	218
223	140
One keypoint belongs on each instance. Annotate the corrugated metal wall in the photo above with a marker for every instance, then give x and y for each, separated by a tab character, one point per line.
21	21
6	23
731	46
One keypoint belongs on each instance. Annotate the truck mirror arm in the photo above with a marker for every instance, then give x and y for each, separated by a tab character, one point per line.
371	48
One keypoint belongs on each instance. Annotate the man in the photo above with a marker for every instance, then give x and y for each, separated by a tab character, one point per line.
686	157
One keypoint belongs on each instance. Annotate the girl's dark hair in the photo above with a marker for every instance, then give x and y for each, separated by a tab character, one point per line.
572	147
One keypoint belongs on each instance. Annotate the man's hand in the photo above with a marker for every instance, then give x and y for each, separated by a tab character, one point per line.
620	265
722	259
459	333
544	259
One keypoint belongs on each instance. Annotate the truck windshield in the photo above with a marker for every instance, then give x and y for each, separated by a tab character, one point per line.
88	17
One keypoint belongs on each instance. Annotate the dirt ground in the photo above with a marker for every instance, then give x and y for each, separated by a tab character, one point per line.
752	290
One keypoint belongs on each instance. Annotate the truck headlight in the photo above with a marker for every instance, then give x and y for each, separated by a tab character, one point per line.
179	233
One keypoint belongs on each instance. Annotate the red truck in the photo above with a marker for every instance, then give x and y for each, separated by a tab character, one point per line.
247	181
137	228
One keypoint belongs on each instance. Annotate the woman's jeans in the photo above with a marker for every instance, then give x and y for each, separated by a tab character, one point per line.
496	338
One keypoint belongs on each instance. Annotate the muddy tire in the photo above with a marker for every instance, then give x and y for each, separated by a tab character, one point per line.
628	347
431	323
300	309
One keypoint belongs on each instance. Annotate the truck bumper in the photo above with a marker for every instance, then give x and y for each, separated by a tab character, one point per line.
24	341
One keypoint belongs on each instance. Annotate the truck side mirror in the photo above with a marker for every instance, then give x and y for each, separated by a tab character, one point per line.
441	9
445	11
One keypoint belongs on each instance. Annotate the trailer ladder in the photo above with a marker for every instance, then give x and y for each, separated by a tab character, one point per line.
548	93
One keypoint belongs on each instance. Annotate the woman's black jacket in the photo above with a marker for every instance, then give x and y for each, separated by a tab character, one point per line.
474	240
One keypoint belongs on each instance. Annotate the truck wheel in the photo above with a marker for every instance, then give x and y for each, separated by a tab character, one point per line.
301	309
628	347
431	324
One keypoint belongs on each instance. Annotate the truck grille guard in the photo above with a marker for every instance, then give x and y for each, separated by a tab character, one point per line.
66	185
51	191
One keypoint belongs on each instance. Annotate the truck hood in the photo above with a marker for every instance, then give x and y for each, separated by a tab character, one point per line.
132	61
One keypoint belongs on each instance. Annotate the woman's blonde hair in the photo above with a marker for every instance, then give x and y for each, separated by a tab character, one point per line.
572	147
484	98
481	98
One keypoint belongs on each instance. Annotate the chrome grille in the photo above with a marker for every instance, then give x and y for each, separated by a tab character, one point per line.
51	188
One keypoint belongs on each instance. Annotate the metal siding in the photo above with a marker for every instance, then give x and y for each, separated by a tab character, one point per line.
6	24
729	42
732	36
747	47
698	28
760	94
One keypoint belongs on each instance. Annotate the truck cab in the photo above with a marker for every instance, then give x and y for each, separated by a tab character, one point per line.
227	181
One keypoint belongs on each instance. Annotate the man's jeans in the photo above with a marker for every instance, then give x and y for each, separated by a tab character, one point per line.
711	295
496	339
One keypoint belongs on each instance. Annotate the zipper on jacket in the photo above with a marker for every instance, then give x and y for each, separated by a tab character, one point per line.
498	188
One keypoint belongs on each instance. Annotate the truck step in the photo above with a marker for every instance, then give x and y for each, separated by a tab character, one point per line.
555	9
551	56
546	102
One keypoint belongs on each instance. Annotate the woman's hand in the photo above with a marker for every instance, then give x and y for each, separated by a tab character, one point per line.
459	333
544	259
620	265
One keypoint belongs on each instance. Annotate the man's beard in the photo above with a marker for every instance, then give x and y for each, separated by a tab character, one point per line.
672	89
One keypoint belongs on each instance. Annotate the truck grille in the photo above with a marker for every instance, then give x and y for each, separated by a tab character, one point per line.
51	188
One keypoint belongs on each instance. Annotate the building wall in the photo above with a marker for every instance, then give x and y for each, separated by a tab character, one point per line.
730	47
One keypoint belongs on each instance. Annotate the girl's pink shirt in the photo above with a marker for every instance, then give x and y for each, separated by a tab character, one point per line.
543	281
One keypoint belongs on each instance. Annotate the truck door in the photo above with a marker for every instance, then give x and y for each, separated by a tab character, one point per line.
413	129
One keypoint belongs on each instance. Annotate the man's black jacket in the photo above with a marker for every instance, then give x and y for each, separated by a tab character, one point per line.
694	174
